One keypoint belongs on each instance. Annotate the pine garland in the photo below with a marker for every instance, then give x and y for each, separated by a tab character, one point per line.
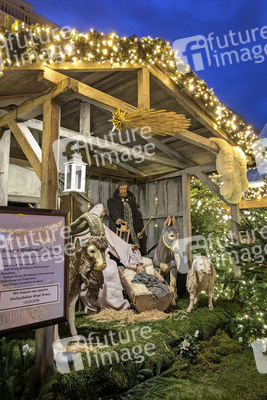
52	47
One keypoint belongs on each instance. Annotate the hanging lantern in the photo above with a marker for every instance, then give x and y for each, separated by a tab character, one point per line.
75	171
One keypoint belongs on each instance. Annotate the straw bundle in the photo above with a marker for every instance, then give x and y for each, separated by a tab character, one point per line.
109	315
160	122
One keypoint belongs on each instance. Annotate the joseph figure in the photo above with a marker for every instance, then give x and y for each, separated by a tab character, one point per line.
122	208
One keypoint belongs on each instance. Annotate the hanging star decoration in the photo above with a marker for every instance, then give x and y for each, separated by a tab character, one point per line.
160	122
119	120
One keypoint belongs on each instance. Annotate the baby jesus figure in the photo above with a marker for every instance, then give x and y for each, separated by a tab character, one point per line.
158	287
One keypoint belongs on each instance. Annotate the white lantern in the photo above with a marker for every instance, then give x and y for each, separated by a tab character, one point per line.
75	170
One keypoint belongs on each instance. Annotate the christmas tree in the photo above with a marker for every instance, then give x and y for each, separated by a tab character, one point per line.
249	251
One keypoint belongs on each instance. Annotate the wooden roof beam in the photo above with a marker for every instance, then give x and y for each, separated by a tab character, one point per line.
125	166
171	139
80	66
171	152
143	101
35	106
111	103
189	104
97	97
107	145
197	140
85	128
187	171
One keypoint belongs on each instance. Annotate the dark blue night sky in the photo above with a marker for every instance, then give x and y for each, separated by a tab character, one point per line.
242	85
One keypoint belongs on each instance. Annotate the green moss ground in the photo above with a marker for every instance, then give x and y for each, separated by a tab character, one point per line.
222	370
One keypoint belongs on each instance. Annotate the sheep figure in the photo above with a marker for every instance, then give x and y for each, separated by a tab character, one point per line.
201	277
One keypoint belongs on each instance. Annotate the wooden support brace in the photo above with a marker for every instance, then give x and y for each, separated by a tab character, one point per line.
28	145
170	151
211	185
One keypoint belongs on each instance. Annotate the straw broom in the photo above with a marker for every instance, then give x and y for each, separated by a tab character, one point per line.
161	122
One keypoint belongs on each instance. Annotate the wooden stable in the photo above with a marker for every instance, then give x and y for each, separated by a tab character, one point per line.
40	105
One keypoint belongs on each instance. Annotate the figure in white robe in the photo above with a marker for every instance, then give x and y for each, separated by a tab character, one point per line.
110	296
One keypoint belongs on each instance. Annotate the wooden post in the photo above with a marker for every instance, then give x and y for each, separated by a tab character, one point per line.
85	118
44	337
186	259
4	164
235	218
85	130
49	183
143	89
186	209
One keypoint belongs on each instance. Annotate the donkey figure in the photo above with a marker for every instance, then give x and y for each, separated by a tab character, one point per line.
167	254
86	263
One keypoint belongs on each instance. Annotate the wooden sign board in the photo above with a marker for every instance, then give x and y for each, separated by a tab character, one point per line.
33	268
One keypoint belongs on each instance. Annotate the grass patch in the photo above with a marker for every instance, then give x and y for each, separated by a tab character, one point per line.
222	369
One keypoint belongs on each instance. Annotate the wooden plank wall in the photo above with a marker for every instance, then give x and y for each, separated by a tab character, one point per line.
159	199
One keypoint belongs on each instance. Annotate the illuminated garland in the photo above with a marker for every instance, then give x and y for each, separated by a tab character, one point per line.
54	46
255	192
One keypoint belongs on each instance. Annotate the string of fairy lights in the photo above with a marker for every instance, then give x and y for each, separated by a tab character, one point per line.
255	193
50	46
27	45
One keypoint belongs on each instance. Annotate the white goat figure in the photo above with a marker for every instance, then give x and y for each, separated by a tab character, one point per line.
201	276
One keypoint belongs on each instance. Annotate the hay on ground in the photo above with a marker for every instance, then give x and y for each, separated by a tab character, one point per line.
128	316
